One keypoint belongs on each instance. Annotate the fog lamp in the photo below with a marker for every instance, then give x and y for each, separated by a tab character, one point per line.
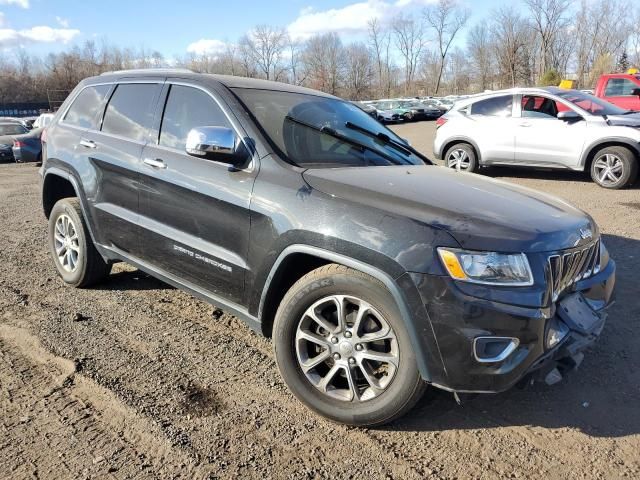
556	331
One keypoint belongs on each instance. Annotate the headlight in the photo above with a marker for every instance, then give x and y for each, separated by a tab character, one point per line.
488	268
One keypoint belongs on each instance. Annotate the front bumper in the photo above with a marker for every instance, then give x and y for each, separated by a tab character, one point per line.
458	319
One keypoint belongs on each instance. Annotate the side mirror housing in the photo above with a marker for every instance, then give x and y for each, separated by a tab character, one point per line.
569	116
636	92
219	144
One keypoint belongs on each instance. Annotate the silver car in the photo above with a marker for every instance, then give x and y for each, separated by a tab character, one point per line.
542	127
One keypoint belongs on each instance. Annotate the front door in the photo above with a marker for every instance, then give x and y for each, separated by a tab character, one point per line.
544	140
194	213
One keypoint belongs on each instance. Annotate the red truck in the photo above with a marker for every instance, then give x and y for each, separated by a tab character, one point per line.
621	89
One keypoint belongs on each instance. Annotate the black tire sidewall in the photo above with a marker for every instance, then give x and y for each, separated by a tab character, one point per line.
375	411
65	206
473	161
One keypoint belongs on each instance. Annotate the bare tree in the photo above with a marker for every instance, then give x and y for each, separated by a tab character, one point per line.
358	71
446	18
480	49
511	33
549	19
265	45
324	62
409	38
297	74
380	42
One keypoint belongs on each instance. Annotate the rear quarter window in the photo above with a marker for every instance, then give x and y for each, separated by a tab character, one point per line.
493	107
84	110
131	110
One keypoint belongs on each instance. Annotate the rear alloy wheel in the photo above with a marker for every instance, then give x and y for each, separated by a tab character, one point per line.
462	158
614	167
342	348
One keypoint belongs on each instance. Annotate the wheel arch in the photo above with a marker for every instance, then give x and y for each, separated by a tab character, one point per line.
591	150
274	291
453	141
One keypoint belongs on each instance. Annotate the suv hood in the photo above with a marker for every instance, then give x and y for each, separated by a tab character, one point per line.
479	212
631	120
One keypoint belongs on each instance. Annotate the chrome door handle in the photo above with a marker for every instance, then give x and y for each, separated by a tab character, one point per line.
88	143
155	163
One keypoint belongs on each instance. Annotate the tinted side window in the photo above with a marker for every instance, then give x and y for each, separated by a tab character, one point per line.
84	110
187	108
130	110
493	107
617	87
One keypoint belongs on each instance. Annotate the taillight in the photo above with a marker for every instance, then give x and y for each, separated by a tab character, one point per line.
43	135
18	144
441	121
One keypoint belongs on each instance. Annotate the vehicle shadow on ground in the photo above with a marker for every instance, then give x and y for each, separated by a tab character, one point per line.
132	280
600	399
538	174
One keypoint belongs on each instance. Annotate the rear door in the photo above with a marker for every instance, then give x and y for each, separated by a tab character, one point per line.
114	152
194	212
492	125
544	140
619	91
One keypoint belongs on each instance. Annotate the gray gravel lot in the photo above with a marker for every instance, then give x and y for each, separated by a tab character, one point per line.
136	379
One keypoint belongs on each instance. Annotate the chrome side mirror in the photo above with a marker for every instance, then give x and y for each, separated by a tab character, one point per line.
214	143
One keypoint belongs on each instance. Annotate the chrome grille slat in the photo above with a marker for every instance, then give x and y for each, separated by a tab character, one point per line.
568	268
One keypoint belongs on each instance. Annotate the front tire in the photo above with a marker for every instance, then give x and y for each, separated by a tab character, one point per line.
78	262
614	167
343	350
461	157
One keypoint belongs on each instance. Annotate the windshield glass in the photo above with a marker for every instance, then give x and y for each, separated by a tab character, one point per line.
591	104
12	129
292	122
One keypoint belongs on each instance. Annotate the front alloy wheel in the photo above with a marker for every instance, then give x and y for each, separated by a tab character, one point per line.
346	349
614	167
343	348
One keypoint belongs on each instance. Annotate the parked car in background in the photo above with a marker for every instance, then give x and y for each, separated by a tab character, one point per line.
28	147
9	130
420	110
21	121
621	89
390	112
542	127
43	120
375	272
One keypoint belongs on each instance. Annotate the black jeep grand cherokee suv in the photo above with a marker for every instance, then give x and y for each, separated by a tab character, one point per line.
375	272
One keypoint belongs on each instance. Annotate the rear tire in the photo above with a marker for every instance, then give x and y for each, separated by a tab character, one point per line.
346	385
78	262
461	157
614	167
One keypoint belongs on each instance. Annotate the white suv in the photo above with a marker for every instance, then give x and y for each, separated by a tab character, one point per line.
542	127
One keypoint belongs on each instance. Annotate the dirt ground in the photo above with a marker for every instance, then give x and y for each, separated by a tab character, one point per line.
134	379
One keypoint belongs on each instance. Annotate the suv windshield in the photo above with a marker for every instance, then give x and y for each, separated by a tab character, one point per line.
318	132
591	104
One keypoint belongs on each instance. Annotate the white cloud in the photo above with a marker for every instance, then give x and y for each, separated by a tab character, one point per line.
350	19
63	22
206	46
19	3
41	34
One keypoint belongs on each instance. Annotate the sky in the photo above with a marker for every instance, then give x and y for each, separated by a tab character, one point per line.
199	26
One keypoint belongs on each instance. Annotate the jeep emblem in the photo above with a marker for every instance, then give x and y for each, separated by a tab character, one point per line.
585	233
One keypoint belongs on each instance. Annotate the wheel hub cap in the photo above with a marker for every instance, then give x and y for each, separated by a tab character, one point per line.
458	159
346	349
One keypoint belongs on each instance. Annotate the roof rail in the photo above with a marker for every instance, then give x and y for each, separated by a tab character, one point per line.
148	70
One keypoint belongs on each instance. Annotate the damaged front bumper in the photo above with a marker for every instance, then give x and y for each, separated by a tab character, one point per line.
471	333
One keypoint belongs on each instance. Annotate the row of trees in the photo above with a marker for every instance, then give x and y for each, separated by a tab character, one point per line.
435	52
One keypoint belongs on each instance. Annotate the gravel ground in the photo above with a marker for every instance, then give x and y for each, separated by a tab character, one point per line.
136	379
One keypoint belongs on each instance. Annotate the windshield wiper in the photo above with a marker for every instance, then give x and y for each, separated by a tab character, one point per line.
629	112
343	138
387	140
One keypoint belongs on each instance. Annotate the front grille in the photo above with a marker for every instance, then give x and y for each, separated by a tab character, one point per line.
568	268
